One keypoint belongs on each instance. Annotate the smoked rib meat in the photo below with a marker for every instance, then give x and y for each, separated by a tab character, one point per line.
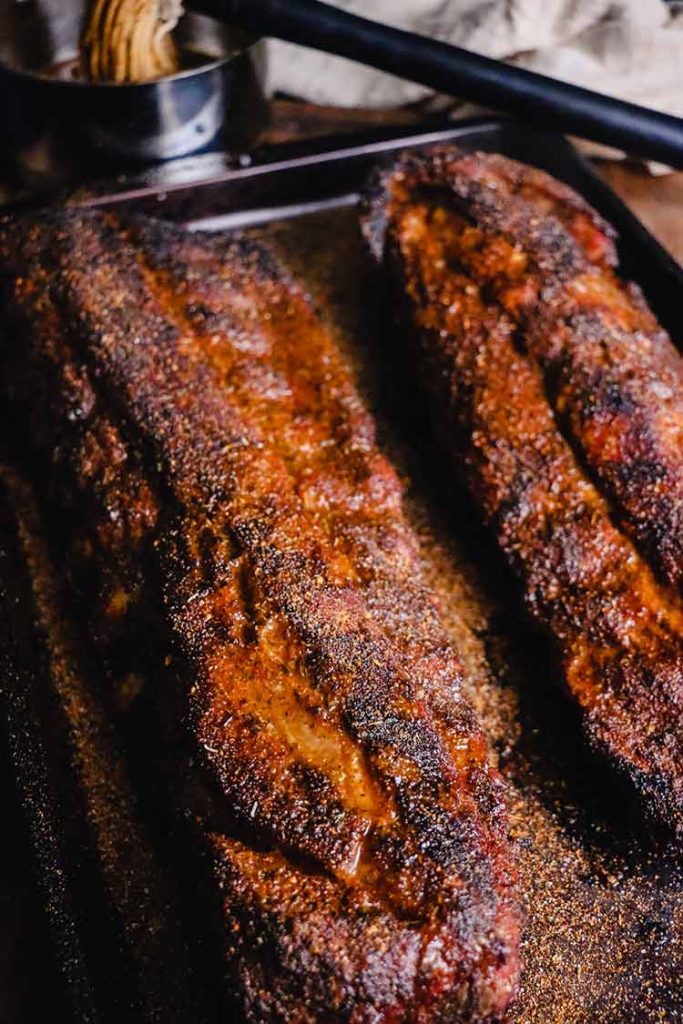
234	541
560	401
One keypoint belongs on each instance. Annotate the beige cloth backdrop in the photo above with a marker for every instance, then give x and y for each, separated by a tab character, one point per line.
627	48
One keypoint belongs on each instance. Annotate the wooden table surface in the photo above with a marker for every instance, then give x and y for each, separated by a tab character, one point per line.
656	200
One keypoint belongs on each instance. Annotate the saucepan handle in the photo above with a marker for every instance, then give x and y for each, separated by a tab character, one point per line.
457	72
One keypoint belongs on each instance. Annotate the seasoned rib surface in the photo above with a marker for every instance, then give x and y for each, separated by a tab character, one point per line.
498	270
221	492
613	376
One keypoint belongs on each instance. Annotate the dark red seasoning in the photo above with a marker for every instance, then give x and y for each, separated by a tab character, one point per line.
224	498
561	402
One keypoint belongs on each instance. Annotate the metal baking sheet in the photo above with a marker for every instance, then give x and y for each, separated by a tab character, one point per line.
603	897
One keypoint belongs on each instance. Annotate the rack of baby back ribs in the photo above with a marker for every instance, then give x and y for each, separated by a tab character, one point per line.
204	516
560	401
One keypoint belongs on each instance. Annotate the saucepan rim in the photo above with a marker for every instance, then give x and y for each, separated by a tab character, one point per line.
244	43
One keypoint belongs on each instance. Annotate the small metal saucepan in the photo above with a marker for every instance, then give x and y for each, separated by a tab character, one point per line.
56	126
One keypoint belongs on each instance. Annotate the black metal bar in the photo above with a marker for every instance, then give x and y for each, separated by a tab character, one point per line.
457	72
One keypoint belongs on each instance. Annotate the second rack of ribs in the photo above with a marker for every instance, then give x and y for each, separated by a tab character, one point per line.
212	465
560	400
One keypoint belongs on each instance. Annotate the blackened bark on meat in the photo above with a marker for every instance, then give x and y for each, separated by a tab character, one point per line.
561	403
221	480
